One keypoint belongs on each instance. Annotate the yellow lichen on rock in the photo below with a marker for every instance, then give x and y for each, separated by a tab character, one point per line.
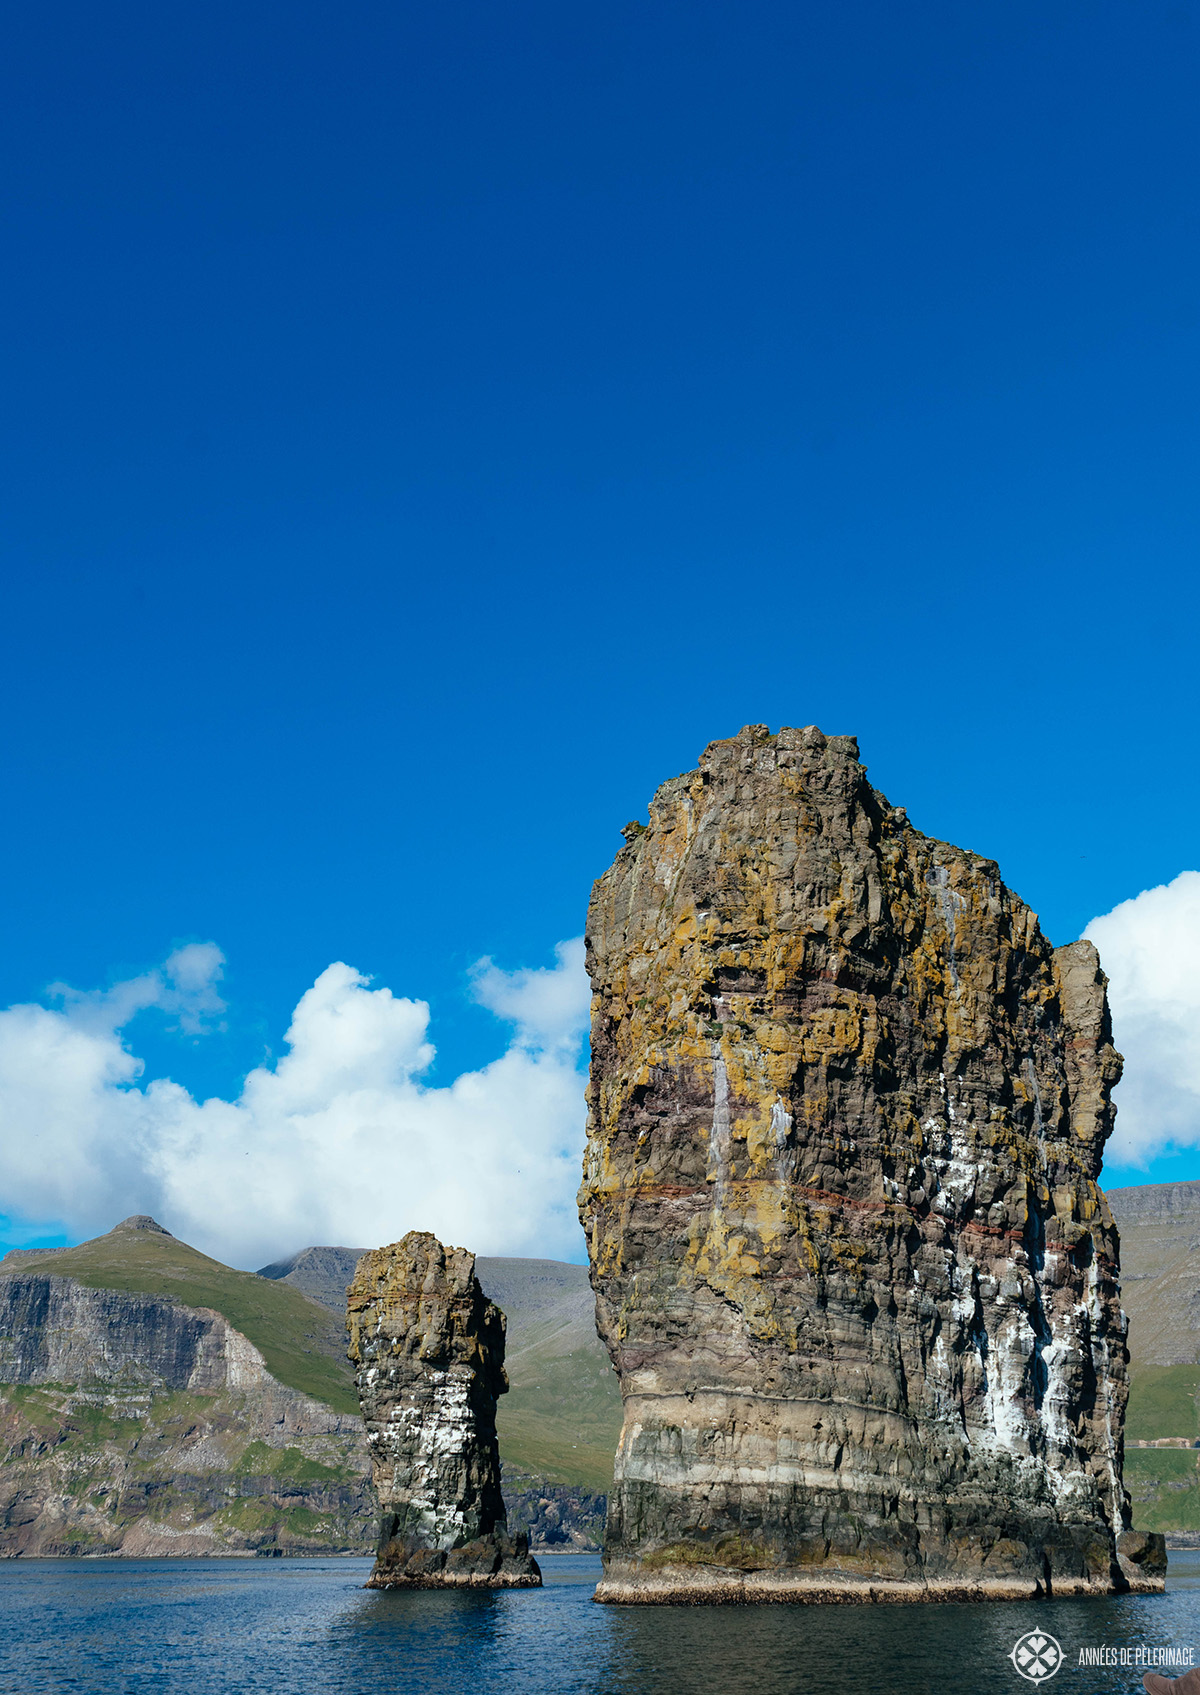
847	1110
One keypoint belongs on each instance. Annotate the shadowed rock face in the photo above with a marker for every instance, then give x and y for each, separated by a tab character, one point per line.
429	1350
851	1263
54	1330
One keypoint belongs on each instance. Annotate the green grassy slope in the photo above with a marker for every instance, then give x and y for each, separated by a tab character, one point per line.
302	1342
1163	1483
1164	1487
561	1419
1162	1402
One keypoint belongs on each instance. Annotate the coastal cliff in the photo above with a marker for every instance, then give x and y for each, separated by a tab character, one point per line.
851	1262
136	1424
429	1350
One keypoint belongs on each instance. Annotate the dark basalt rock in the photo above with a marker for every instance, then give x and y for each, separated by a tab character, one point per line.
851	1262
495	1561
429	1350
56	1330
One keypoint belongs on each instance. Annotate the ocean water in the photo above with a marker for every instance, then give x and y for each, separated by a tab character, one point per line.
307	1627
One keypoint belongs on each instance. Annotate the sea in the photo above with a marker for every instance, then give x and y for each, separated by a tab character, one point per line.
308	1627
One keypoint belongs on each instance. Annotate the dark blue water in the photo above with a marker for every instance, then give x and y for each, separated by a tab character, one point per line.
306	1627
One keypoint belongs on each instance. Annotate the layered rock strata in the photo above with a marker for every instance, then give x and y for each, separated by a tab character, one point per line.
428	1348
54	1330
847	1112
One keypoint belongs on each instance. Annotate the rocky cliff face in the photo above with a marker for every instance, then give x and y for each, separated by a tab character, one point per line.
136	1425
54	1330
851	1263
429	1350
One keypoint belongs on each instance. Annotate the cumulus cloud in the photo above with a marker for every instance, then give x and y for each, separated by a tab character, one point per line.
1150	949
339	1141
183	986
549	1007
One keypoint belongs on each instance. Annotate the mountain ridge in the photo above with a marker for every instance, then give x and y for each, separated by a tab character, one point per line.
558	1424
301	1342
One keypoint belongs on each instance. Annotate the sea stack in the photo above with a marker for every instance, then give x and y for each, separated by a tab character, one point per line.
428	1346
851	1262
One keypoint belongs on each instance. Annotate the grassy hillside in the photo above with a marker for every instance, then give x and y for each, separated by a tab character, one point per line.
302	1342
1163	1483
1162	1402
561	1418
1164	1487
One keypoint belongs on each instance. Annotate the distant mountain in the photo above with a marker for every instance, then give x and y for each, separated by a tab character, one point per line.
1160	1270
561	1420
112	1445
301	1341
322	1274
1160	1292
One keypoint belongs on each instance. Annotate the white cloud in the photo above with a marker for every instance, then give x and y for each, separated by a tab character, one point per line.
1150	949
184	984
549	1008
340	1141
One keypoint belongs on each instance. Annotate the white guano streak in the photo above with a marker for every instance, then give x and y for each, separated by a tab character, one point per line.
447	1430
718	1136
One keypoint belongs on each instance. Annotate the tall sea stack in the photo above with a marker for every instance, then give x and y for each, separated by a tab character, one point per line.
851	1262
429	1350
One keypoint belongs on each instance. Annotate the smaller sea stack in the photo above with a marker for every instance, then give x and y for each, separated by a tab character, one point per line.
428	1347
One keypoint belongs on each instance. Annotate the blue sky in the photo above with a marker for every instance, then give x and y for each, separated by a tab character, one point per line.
426	428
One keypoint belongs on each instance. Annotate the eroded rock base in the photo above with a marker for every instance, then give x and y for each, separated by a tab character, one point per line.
497	1561
1139	1567
688	1589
